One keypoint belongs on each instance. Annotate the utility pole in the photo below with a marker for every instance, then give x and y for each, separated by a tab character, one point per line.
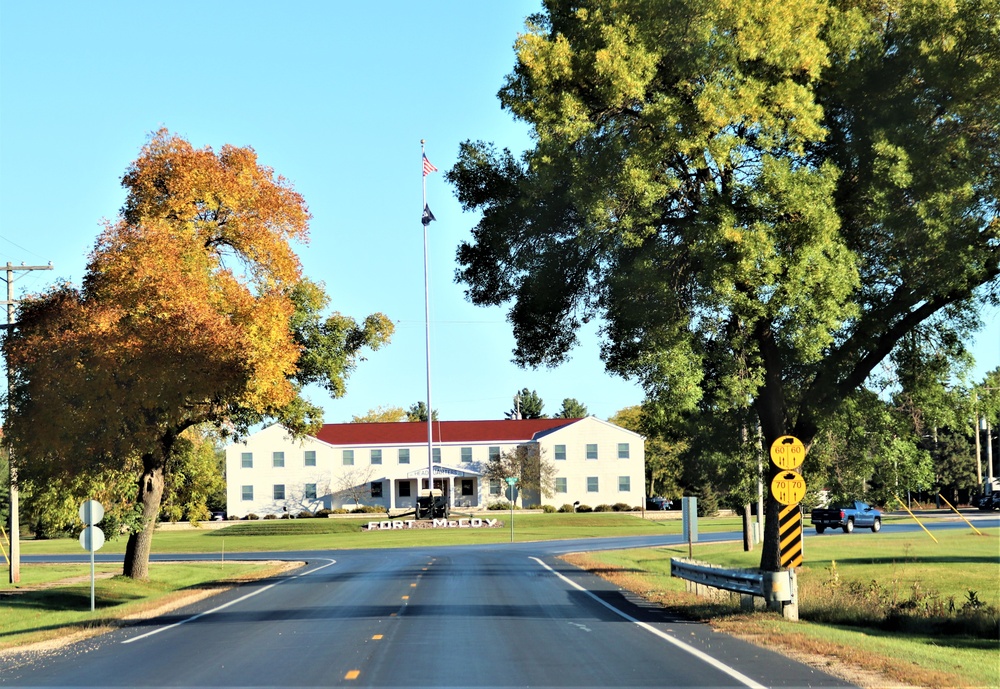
15	525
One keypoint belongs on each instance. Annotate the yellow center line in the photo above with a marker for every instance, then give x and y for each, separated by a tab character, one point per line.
392	614
353	674
406	598
376	637
413	586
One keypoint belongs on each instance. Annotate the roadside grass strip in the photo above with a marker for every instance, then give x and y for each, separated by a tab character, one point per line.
893	604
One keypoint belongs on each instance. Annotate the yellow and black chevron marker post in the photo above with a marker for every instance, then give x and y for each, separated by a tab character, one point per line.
790	535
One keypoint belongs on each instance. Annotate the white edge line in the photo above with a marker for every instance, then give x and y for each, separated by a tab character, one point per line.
225	605
717	664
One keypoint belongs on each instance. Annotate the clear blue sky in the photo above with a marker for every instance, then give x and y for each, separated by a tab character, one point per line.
333	95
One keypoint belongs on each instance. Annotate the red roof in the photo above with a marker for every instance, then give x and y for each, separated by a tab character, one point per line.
415	432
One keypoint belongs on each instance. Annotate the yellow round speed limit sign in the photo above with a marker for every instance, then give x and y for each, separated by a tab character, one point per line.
788	488
787	452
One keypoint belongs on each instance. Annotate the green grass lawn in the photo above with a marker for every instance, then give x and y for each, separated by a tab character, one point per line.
327	534
29	614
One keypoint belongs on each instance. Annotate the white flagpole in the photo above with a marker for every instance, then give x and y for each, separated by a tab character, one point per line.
427	317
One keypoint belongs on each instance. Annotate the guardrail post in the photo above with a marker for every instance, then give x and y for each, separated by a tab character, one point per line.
781	593
791	611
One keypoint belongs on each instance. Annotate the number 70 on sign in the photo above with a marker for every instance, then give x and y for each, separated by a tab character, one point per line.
788	488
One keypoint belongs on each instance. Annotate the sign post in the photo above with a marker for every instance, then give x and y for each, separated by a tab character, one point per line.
91	538
511	480
689	522
788	488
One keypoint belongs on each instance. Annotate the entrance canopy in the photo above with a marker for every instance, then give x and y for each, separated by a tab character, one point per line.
442	470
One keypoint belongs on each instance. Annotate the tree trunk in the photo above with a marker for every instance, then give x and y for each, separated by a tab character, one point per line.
747	530
150	495
770	406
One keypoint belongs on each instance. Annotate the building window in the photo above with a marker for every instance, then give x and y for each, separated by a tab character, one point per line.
279	491
310	458
622	450
436	453
404	487
494	486
468	486
278	459
404	456
494	453
560	484
560	452
466	454
376	456
348	458
592	485
246	460
624	484
310	491
376	489
247	492
591	450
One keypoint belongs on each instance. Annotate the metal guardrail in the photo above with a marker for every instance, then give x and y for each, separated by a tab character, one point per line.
771	586
740	581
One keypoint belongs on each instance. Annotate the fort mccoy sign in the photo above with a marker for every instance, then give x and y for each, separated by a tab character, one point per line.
397	524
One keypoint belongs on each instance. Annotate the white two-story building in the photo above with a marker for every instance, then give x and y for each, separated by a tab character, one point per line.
386	465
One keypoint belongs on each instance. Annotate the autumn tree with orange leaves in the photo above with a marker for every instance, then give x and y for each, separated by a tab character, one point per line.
193	310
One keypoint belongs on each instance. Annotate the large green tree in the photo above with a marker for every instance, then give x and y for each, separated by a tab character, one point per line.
418	412
193	310
572	409
759	198
527	405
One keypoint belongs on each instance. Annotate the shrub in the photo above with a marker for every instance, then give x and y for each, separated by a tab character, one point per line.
286	515
548	509
305	514
566	508
270	516
323	513
708	501
339	510
368	509
251	516
621	507
603	508
500	505
584	508
533	507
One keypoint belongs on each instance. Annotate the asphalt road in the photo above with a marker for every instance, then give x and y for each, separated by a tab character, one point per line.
462	616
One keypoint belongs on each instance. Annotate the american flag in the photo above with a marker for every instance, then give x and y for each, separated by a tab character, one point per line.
428	168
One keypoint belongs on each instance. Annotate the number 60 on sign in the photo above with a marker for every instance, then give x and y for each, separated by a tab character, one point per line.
787	452
788	488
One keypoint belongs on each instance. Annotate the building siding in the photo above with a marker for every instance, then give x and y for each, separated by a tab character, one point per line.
331	476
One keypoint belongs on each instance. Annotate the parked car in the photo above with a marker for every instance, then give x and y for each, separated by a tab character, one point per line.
989	502
847	516
989	498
